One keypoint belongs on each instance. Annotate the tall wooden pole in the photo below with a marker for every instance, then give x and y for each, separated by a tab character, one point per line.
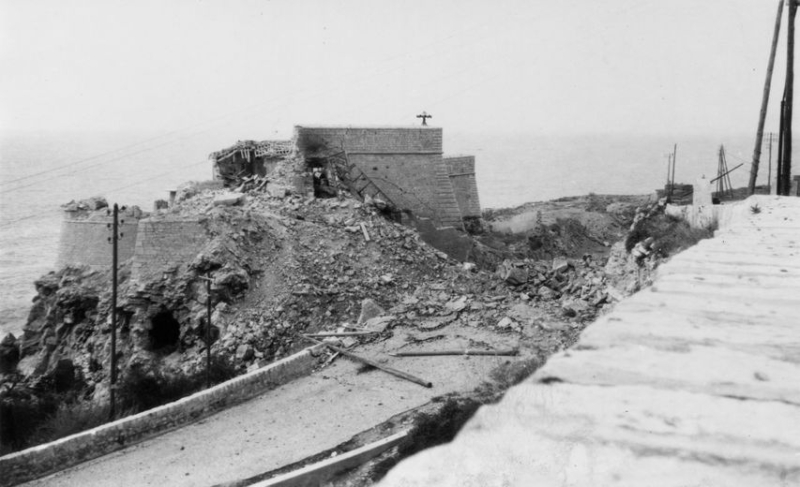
674	159
114	258
779	168
769	168
789	98
667	191
765	101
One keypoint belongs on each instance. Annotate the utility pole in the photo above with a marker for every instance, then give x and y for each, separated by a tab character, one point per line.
208	280
786	175
769	170
764	101
208	331
114	241
674	158
779	169
667	190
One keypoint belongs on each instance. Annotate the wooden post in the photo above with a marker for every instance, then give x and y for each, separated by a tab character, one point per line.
764	101
786	183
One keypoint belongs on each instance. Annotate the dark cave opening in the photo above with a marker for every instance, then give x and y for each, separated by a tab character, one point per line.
164	333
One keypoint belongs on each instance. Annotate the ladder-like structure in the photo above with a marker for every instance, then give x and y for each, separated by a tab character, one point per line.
357	181
361	186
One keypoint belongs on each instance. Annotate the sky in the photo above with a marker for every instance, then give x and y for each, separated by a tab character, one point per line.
256	68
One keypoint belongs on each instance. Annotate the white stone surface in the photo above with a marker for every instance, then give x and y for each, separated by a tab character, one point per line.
691	382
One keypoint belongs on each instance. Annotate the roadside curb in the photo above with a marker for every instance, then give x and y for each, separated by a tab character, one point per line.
48	458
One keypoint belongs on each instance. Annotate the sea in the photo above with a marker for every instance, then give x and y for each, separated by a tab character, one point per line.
40	171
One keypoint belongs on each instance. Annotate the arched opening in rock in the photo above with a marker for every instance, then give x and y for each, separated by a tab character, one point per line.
164	333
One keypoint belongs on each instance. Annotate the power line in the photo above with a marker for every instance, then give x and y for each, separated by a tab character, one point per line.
57	176
119	188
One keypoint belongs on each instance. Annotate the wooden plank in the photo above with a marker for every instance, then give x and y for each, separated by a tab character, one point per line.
436	353
342	334
385	368
319	472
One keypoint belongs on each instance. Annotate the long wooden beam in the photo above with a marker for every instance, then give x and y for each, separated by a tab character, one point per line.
385	368
434	353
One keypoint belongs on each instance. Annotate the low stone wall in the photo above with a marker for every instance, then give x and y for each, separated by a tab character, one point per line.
51	457
723	216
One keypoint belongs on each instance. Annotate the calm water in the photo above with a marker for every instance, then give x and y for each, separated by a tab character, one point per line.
40	172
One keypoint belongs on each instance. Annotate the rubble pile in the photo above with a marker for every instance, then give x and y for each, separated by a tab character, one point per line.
283	263
581	287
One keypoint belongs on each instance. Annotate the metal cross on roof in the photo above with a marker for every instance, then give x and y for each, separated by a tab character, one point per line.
424	116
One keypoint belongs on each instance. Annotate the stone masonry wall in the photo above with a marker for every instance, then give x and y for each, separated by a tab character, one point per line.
163	245
51	457
462	175
405	163
372	140
85	242
414	182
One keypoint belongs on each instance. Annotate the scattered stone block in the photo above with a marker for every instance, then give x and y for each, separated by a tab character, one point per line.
560	264
380	323
370	309
244	353
228	199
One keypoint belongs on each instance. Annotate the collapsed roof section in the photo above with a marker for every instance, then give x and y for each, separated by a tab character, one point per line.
249	158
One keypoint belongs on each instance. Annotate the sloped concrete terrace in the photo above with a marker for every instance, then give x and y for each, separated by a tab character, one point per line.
693	381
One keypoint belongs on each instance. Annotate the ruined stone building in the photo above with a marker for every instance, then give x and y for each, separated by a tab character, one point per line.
404	165
249	157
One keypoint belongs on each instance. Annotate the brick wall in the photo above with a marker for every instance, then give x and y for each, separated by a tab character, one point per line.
462	175
371	140
162	245
85	242
60	454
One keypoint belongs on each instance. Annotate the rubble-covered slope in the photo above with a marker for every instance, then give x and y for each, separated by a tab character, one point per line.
282	263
